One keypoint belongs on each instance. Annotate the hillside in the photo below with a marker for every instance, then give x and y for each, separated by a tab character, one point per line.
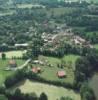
48	49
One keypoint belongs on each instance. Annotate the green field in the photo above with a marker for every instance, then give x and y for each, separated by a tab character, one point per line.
50	73
10	54
3	72
53	92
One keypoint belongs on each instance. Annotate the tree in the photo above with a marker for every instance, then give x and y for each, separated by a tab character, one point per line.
66	98
43	96
83	70
93	59
35	45
3	56
2	89
86	92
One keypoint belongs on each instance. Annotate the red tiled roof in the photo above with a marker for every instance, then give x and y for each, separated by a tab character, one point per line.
61	73
34	70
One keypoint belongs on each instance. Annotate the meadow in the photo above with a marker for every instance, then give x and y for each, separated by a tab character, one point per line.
53	92
16	54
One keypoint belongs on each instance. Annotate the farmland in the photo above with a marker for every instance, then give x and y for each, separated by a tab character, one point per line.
52	92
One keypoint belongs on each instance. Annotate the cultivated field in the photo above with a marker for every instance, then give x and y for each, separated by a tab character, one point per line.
53	92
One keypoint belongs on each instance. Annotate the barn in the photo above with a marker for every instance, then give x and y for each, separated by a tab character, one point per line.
61	74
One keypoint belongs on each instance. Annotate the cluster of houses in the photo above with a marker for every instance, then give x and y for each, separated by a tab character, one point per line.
80	41
52	41
48	38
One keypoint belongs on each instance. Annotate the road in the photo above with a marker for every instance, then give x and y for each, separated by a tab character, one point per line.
22	66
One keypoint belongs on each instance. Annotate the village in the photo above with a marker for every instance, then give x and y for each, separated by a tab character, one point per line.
48	50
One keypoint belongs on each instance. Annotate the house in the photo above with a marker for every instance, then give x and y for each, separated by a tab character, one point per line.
61	74
12	64
36	69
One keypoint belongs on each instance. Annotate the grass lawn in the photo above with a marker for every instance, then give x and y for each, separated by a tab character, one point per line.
10	54
53	92
3	73
50	73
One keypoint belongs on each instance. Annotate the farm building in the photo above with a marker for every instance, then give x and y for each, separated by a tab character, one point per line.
12	63
36	69
61	74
